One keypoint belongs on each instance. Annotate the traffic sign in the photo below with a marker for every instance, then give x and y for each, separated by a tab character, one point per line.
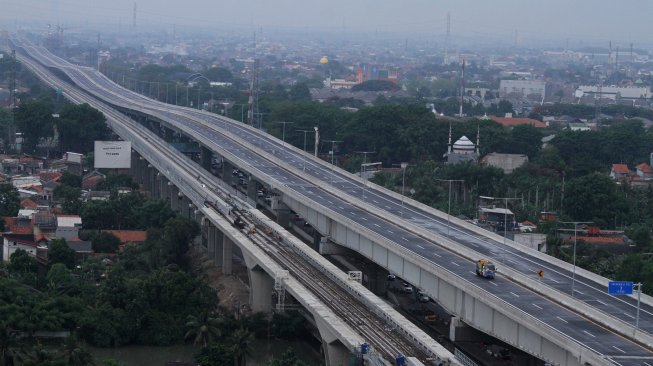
620	288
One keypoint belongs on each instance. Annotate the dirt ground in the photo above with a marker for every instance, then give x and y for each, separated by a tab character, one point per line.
232	291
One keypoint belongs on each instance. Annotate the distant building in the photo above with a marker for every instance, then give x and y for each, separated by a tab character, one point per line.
620	172
506	162
509	121
463	150
367	72
522	88
644	171
613	92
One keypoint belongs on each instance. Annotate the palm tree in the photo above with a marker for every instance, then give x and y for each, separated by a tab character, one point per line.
74	353
203	329
241	340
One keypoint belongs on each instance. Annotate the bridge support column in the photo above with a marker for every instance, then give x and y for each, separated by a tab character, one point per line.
252	189
283	218
211	231
377	278
461	332
206	158
168	134
227	172
174	198
227	255
317	238
335	353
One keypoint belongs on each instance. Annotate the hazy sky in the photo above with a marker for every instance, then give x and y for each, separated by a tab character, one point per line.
592	20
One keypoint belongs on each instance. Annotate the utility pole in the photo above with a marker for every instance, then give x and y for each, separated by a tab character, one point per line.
573	276
317	139
283	130
333	146
449	205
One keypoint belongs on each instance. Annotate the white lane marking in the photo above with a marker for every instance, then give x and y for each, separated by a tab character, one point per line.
472	272
537	306
474	245
421	247
364	219
562	319
630	316
377	225
589	334
391	232
601	302
618	349
454	263
340	207
353	213
556	281
330	202
492	282
647	364
405	239
437	255
579	292
388	207
514	294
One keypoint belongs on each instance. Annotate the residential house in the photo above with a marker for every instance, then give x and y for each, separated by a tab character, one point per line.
620	172
644	171
510	121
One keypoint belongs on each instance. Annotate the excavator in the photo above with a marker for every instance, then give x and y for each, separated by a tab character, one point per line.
485	269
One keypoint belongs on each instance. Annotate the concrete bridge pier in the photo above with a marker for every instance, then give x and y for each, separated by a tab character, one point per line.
227	172
261	286
227	255
335	353
211	242
174	198
168	134
206	158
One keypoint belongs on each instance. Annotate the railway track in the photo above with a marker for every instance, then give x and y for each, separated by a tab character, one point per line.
381	336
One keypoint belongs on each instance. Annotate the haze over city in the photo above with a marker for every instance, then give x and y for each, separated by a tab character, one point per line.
568	21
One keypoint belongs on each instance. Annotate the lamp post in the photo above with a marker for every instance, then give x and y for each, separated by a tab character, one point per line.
573	274
283	129
241	111
333	146
449	204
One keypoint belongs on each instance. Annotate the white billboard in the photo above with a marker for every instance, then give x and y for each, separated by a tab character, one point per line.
113	154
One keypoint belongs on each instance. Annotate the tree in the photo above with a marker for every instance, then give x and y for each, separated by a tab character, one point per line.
215	354
34	120
300	92
9	201
177	235
241	341
59	277
79	126
288	358
640	234
60	252
69	198
71	180
20	262
105	242
203	329
592	197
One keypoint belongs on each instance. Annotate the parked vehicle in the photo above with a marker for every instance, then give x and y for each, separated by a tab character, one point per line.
485	268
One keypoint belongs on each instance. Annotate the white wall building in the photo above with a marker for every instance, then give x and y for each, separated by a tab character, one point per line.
522	87
614	92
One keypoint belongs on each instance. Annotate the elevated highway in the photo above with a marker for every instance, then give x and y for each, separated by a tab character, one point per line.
541	317
346	315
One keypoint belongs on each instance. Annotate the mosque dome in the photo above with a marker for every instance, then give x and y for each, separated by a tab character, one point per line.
324	60
463	146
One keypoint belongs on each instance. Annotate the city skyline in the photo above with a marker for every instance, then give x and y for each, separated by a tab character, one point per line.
511	20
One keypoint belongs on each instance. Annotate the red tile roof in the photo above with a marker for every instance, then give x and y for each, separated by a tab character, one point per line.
91	182
620	169
645	168
507	122
50	176
129	236
28	203
602	239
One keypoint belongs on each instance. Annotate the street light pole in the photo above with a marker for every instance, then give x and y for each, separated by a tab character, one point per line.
449	204
333	146
573	274
283	129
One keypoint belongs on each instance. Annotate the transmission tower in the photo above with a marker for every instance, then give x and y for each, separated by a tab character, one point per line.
445	61
134	17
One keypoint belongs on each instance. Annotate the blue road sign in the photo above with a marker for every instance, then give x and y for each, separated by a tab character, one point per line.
620	288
